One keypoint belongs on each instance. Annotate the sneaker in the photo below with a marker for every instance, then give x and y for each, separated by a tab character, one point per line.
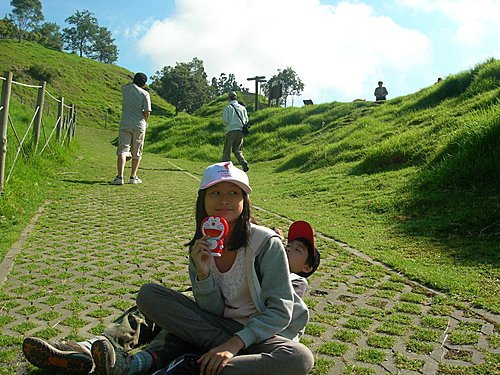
135	180
117	181
107	359
66	357
186	364
245	167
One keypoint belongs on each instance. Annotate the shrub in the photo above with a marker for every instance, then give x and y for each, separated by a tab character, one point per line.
40	72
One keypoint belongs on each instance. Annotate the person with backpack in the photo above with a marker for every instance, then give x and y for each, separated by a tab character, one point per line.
234	118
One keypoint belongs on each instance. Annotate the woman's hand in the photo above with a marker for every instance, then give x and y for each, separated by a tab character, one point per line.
214	361
200	252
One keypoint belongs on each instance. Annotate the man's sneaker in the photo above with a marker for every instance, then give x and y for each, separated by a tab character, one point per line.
65	357
109	360
184	365
117	181
135	180
245	167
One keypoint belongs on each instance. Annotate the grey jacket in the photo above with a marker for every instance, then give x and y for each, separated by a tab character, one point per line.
281	311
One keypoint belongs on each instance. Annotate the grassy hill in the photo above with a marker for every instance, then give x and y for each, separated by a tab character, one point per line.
413	182
92	86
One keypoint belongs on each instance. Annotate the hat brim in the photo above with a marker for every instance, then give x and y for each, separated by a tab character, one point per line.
247	189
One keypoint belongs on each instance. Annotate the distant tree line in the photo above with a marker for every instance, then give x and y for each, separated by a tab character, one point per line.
186	87
84	35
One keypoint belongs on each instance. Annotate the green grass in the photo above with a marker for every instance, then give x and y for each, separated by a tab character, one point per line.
419	347
406	363
381	341
369	313
425	334
458	337
413	183
93	87
333	348
434	322
361	324
370	356
357	370
330	319
315	329
322	366
346	335
391	328
399	318
409	308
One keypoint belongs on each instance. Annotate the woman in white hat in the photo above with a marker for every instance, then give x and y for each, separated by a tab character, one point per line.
246	318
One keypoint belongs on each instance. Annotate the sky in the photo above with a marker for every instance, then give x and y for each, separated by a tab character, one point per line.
339	49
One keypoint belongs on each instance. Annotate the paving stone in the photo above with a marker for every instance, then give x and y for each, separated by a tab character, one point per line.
88	253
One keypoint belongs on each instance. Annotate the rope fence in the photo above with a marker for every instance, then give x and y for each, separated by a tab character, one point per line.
64	127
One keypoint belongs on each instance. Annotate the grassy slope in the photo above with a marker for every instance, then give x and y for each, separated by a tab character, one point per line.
412	182
92	86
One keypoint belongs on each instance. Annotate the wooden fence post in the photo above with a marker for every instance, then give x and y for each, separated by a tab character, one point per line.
60	116
6	88
74	121
38	119
70	122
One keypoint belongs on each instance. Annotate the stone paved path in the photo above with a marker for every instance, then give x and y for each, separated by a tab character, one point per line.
90	248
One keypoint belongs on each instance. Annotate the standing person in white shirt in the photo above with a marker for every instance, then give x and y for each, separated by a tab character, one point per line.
234	117
136	108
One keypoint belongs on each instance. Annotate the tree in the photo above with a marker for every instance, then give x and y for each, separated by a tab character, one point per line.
48	35
185	85
89	39
81	37
292	84
103	48
8	29
225	84
26	14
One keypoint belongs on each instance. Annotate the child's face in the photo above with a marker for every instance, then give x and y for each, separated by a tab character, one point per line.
224	199
297	255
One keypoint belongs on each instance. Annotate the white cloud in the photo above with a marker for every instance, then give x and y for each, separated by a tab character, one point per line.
476	20
337	50
134	31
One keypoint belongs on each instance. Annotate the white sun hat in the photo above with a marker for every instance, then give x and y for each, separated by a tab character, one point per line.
225	172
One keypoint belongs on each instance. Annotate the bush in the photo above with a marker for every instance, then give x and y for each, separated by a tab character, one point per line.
42	73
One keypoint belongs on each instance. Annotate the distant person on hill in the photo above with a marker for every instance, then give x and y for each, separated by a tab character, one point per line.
380	92
439	80
234	117
136	108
